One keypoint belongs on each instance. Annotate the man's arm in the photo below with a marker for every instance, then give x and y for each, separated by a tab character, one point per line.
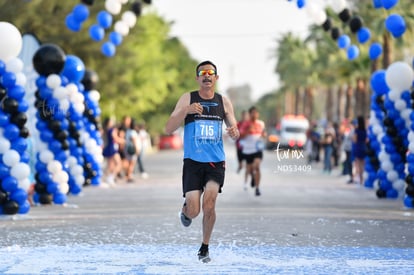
181	110
230	119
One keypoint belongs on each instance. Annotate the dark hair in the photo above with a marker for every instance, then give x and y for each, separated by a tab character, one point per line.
207	62
251	109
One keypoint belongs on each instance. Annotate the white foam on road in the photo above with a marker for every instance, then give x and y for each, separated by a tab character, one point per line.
182	259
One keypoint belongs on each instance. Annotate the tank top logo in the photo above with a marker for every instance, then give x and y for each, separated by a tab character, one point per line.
207	105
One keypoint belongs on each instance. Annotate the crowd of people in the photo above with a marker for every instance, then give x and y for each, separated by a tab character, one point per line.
340	145
124	147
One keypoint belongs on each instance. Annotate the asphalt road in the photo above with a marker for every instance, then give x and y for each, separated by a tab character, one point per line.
299	206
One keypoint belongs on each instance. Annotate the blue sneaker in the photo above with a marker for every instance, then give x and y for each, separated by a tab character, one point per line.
185	221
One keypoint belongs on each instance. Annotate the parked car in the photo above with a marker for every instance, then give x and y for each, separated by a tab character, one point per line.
173	141
293	130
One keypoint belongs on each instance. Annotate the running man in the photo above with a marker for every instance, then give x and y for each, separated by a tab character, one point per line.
203	113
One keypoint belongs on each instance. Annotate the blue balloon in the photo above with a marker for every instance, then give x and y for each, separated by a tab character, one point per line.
72	24
363	35
52	187
392	193
116	38
108	49
344	41
352	52
375	50
96	32
19	195
17	92
19	144
9	184
104	19
395	24
59	198
4	170
11	132
388	4
2	67
408	201
377	4
24	208
4	119
8	79
301	3
23	106
74	68
80	13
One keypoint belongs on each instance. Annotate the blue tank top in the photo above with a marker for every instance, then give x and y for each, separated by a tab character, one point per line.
203	140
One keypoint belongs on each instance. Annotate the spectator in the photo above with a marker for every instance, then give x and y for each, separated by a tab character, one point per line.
360	140
145	142
110	150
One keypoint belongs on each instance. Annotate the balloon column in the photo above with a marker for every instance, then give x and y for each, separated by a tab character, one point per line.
104	22
14	168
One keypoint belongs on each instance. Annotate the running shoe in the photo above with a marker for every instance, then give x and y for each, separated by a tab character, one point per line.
185	221
203	256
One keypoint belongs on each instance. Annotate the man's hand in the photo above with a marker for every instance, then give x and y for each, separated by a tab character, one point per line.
195	108
233	132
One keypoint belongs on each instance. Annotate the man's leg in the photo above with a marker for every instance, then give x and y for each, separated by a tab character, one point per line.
209	209
191	207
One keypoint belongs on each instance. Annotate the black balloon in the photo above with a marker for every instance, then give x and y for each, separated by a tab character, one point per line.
90	80
355	24
88	2
61	135
136	8
335	33
24	132
3	93
40	188
45	198
410	190
54	126
49	59
11	105
3	197
381	193
147	2
327	24
344	15
10	208
19	119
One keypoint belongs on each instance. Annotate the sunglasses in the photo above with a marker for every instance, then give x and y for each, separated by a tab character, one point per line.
206	72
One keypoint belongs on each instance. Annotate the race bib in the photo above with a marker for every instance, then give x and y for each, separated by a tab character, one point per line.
208	131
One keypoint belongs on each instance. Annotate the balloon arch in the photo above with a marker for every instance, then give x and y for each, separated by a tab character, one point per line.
49	128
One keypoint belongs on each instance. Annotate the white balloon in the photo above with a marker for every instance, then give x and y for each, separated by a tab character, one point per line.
14	65
60	92
399	76
54	166
76	170
11	158
72	88
20	171
394	95
21	79
10	41
60	177
46	156
411	147
400	105
392	176
113	6
122	28
25	184
129	18
80	180
4	145
72	161
63	188
64	104
338	5
53	81
94	95
399	184
386	165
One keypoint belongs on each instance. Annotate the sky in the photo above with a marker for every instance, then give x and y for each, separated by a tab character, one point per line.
239	36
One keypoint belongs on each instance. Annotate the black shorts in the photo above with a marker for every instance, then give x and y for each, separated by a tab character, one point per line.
250	157
197	174
240	155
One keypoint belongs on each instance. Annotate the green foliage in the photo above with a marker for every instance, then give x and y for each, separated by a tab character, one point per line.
146	76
